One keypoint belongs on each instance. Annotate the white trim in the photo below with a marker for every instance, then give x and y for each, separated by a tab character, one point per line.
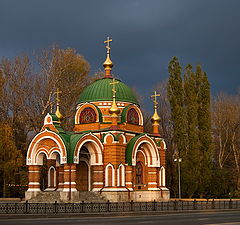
91	151
33	189
152	147
121	183
152	182
67	182
150	172
139	112
124	138
153	189
162	177
32	159
96	171
105	138
128	183
33	183
144	155
79	108
129	171
106	175
164	189
97	183
54	176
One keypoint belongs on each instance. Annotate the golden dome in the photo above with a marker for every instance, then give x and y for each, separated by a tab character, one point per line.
58	114
155	118
114	110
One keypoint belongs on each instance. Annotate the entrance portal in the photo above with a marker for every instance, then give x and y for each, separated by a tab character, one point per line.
82	176
83	170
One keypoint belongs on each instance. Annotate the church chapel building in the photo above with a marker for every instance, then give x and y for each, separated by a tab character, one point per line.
108	151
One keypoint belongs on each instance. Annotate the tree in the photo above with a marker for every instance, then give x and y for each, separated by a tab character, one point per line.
175	94
10	158
204	131
226	133
191	171
28	90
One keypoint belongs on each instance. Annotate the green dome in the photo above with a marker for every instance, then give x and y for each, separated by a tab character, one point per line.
101	90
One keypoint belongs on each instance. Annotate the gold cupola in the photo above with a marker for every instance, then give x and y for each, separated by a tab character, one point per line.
58	113
108	62
155	118
114	110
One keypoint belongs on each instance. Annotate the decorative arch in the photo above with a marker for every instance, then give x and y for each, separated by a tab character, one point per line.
38	145
134	109
109	176
52	176
94	146
109	136
121	175
162	177
146	144
94	113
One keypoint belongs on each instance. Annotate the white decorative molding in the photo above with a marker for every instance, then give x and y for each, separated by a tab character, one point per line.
121	173
107	176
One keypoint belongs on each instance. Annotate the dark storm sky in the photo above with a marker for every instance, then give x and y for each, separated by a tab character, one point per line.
146	35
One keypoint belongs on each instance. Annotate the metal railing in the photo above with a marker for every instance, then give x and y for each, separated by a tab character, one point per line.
84	207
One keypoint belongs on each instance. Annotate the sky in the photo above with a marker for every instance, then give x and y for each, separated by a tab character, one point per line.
146	35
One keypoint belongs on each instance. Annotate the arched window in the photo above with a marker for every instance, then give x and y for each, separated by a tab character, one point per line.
132	117
109	176
162	177
121	176
139	173
52	177
88	115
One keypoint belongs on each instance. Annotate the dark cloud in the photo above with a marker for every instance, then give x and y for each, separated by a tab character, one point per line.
146	34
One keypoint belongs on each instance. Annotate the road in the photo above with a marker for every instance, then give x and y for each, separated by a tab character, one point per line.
203	218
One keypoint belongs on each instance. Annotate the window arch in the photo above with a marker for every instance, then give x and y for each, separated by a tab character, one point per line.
88	115
109	175
132	117
139	173
52	177
121	176
162	180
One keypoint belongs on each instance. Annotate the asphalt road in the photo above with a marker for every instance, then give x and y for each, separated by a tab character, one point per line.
206	218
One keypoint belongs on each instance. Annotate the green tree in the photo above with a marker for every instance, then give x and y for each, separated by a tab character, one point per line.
175	93
204	131
190	164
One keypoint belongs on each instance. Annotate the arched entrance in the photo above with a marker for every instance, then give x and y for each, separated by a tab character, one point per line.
83	170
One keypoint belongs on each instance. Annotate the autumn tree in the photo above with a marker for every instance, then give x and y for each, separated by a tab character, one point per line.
11	159
226	133
28	90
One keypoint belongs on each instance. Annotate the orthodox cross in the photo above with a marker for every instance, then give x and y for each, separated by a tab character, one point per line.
155	99
108	44
57	97
113	83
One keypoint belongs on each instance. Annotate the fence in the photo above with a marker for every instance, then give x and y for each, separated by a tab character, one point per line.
54	208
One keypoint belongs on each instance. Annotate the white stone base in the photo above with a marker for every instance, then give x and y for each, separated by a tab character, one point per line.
31	194
66	197
137	196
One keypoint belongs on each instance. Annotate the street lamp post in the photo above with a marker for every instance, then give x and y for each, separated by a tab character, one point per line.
179	160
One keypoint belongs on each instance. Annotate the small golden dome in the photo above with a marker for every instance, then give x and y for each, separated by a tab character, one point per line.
114	110
155	118
108	63
58	114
